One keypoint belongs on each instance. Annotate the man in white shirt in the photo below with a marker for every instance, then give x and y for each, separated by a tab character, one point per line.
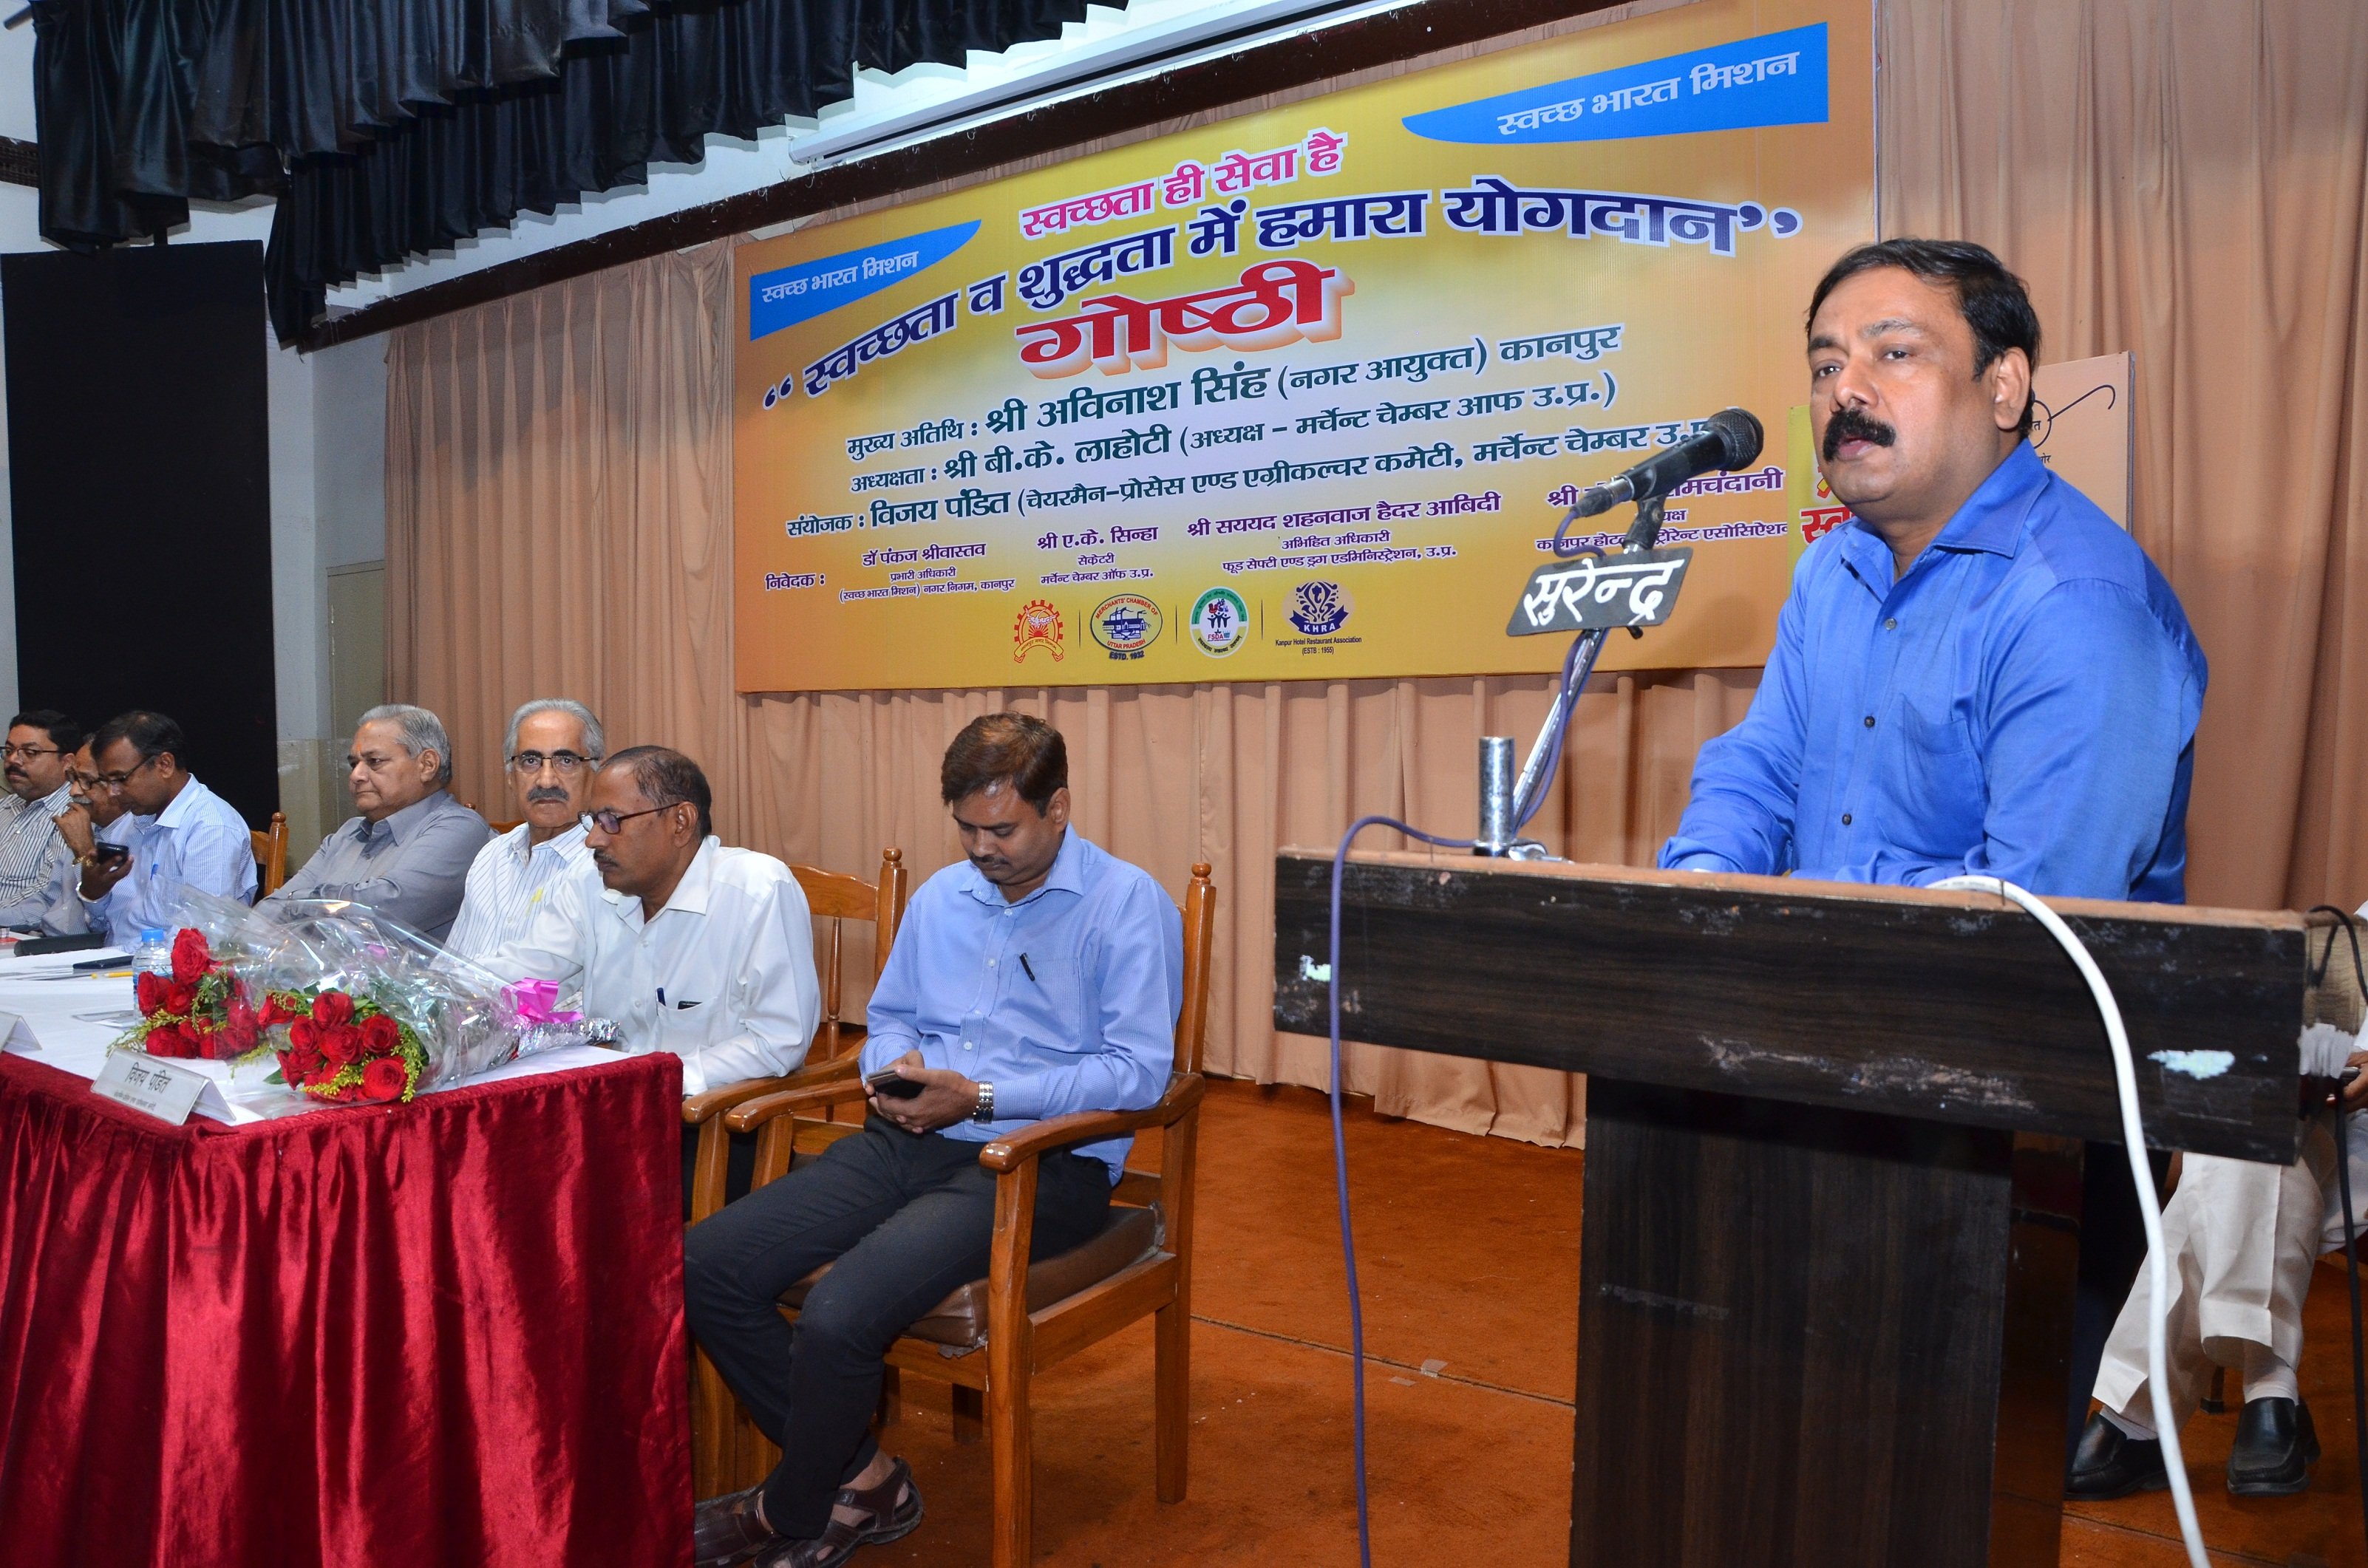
35	761
549	756
722	974
183	834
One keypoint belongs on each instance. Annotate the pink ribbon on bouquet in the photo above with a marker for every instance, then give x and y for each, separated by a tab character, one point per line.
533	1000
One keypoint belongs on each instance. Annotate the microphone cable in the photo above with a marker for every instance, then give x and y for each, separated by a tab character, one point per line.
2125	1084
2343	1185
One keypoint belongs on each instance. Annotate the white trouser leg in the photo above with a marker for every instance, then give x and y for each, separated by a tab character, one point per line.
2242	1239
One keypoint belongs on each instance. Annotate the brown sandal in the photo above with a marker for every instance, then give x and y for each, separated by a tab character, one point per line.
893	1508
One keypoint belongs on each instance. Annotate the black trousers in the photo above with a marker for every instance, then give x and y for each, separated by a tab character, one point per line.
909	1220
739	1166
2112	1247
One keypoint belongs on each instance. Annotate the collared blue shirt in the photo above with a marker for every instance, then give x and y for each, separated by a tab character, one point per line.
1088	1020
2021	703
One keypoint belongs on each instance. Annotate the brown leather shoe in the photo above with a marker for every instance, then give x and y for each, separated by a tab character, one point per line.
725	1530
891	1509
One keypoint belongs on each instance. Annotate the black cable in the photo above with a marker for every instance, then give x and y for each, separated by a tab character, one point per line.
2351	1244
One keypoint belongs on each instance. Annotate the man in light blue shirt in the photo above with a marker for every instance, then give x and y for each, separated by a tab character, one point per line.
1977	673
1039	977
183	835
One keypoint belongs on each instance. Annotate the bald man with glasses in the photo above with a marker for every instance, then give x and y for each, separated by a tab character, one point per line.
548	758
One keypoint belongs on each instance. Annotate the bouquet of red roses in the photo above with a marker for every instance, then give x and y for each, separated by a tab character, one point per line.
202	1010
339	1046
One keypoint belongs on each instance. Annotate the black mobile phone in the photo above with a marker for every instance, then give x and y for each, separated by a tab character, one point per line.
887	1084
102	851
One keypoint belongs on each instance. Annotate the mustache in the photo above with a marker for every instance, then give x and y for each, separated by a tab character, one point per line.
1850	425
546	792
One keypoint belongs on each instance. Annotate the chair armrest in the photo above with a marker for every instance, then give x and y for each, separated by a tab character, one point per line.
832	1083
700	1108
1184	1091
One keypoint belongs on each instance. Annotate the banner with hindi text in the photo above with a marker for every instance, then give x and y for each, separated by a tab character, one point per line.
1303	393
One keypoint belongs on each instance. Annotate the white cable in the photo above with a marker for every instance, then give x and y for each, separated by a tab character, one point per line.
2142	1176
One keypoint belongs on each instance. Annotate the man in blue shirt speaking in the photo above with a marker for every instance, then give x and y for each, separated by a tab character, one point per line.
1039	977
1977	673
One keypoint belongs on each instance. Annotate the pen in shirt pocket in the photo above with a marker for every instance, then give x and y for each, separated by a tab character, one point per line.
1029	968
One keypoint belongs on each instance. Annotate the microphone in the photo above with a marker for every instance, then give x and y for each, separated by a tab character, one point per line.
1730	439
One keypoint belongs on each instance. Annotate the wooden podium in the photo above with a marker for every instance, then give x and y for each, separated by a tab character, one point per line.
1833	1168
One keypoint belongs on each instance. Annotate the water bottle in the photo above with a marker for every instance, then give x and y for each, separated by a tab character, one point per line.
155	953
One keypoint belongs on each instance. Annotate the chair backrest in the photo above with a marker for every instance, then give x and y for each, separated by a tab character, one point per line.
836	897
270	855
1200	937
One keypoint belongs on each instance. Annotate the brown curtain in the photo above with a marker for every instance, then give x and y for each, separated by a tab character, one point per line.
2184	179
559	524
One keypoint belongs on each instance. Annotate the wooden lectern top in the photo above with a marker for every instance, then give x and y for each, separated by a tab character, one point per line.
1946	1006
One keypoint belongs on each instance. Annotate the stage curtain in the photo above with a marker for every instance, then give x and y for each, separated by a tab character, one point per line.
558	520
2184	179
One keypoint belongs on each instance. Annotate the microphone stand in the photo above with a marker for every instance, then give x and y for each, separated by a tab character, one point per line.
1507	805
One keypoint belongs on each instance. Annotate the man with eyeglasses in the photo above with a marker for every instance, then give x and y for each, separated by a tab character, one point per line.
94	825
689	946
548	756
32	856
183	835
407	855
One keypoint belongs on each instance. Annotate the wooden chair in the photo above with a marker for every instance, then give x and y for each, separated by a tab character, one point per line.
991	1336
837	898
270	856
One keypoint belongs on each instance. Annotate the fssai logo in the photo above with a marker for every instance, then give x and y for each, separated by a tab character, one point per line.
1219	622
1125	624
1319	609
1039	627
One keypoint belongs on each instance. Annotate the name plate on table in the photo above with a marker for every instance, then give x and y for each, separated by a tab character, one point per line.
1601	592
16	1035
157	1087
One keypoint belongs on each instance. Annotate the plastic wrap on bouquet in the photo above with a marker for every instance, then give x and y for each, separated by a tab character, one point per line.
362	1008
202	1008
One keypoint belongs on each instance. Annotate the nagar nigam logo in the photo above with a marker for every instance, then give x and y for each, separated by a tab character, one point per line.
1319	609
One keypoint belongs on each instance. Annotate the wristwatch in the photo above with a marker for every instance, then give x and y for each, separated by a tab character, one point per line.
985	1112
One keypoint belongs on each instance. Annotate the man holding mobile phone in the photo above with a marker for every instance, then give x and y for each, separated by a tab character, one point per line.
1037	977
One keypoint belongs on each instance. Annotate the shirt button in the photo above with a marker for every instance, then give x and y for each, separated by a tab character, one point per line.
966	1045
1870	720
1891	626
1846	818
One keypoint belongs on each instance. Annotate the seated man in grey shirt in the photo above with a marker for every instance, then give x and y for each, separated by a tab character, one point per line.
407	854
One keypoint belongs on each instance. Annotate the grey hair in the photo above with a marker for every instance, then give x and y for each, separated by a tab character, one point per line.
595	742
421	730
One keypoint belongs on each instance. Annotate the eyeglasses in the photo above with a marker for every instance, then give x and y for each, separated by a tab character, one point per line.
27	753
94	781
566	761
118	780
609	822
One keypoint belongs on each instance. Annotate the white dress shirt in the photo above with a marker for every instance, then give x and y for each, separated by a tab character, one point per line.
724	976
199	841
509	881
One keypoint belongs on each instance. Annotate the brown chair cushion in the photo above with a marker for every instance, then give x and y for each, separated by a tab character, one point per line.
1127	1237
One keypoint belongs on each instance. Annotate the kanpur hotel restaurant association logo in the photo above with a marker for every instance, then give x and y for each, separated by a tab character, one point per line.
1220	622
1039	627
1319	609
1125	624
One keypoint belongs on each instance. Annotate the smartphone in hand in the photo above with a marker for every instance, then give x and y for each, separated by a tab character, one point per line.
887	1085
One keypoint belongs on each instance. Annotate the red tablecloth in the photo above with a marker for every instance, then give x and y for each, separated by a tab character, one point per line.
394	1336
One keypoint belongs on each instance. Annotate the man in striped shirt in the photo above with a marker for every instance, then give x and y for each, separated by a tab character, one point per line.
34	761
549	756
